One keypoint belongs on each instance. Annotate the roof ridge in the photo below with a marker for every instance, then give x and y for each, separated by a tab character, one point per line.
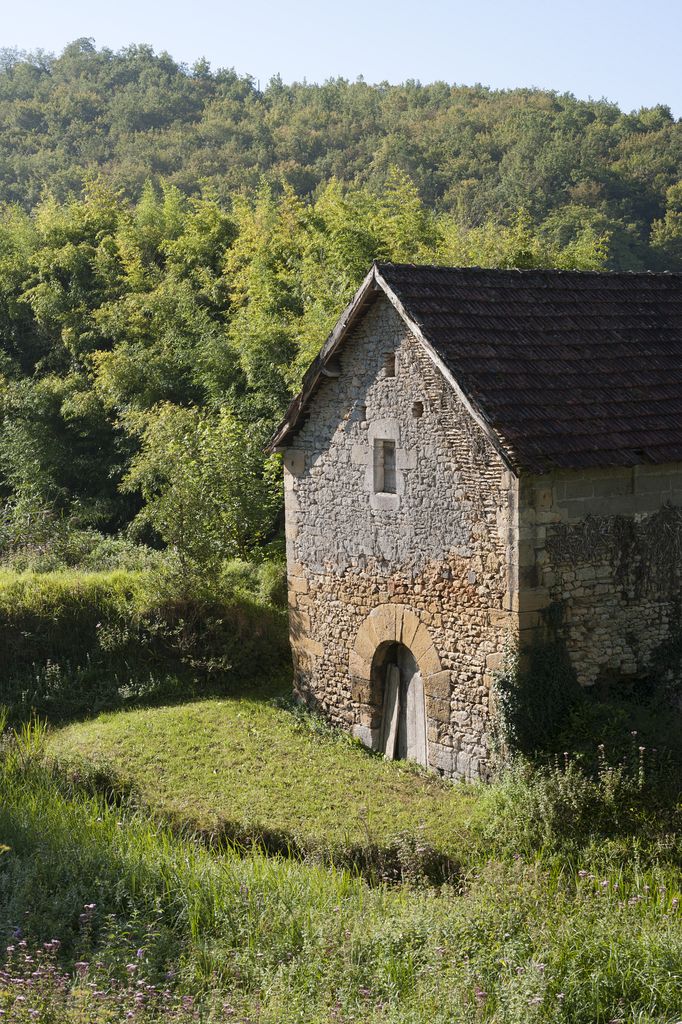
530	270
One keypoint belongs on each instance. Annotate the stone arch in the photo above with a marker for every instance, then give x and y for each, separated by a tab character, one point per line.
389	624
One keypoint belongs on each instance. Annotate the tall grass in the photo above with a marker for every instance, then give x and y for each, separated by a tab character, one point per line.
73	643
274	939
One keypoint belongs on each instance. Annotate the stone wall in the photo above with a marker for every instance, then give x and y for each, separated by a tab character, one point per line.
432	566
603	549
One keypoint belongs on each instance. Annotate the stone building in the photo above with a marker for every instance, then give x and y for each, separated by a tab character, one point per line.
477	457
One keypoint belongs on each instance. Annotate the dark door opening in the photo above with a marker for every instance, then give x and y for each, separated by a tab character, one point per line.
403	729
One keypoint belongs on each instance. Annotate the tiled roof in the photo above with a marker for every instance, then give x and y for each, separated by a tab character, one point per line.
566	368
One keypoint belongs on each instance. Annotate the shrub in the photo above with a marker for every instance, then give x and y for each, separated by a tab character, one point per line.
568	805
272	583
535	696
74	643
86	550
208	491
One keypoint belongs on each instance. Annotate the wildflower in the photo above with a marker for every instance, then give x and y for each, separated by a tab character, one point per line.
480	994
140	954
131	968
81	966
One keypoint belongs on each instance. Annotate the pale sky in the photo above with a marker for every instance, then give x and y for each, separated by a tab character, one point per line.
624	50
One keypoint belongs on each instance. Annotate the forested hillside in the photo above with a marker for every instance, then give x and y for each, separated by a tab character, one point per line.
471	151
175	244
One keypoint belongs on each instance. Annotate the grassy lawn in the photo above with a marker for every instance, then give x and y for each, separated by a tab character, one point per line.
249	768
264	939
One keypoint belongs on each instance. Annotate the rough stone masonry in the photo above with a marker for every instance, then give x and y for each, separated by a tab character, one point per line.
434	572
453	520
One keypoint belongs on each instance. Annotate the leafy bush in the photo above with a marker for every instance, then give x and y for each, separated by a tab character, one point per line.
208	491
564	807
74	643
86	550
535	695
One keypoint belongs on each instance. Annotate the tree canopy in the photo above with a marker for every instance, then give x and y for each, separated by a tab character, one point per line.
175	245
477	153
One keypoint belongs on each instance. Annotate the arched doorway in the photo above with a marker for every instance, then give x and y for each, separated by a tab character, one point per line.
377	645
403	722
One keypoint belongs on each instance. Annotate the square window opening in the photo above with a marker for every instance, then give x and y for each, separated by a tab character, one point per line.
384	467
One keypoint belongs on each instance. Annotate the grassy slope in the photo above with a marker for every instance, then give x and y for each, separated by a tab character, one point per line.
283	941
245	762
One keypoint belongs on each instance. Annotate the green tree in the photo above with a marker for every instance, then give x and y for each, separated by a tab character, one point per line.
666	234
207	490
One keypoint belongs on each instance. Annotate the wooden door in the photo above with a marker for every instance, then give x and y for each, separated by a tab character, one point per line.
403	731
390	721
412	686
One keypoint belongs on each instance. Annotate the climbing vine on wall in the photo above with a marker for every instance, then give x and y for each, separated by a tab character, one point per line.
645	552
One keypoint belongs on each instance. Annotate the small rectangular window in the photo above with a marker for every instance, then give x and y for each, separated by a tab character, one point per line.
389	364
384	466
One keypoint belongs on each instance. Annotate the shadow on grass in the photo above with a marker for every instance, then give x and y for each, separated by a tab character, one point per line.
406	857
79	695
